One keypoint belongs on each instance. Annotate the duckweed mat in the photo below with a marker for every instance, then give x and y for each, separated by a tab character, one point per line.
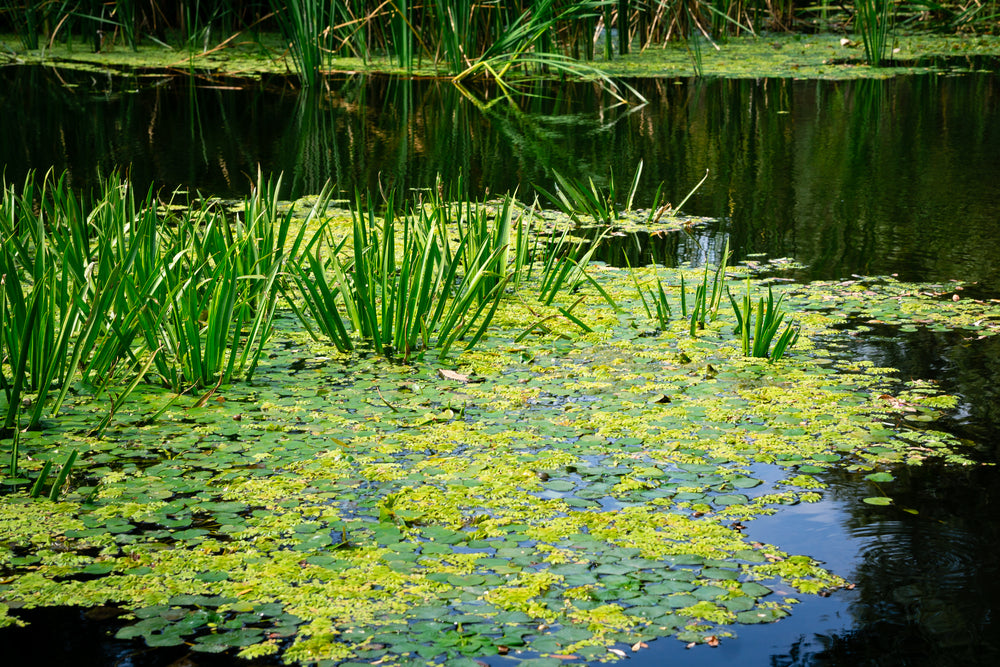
822	55
554	495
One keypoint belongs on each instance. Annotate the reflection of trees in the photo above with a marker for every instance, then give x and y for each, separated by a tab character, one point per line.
927	583
958	363
847	177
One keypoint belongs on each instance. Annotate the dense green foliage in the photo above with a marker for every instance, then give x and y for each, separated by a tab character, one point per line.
460	36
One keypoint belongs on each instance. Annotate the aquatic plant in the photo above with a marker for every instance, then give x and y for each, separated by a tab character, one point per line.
525	46
105	287
576	497
57	485
455	36
704	306
875	20
42	305
424	294
564	267
575	198
306	24
757	329
213	294
27	20
657	297
483	229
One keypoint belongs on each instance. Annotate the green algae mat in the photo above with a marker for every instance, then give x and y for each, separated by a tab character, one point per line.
571	489
822	55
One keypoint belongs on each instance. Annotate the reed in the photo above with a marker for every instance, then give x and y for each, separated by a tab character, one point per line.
758	327
657	297
704	306
306	24
875	20
113	288
574	198
214	293
43	294
60	481
564	269
462	37
405	288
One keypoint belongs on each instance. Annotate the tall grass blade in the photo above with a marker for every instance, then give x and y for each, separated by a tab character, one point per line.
57	485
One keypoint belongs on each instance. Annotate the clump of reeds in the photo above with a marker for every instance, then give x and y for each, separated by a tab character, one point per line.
758	327
109	284
575	199
113	289
875	20
404	285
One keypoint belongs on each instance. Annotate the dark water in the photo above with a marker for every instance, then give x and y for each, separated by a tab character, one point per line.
899	176
867	177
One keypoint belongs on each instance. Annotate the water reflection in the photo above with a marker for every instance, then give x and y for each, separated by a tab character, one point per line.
959	362
869	177
927	575
927	582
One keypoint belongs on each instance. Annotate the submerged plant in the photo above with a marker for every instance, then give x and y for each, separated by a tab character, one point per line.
758	328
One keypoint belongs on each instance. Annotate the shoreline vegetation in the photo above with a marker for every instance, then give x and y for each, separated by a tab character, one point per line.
503	43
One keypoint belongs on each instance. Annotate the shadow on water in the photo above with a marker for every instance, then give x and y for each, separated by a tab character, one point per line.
84	638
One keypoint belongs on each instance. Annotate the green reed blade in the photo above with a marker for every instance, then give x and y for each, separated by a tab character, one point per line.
57	485
36	488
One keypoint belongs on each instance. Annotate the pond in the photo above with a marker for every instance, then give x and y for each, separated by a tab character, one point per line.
843	178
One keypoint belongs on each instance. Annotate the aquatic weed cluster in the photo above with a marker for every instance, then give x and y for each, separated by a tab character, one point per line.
575	485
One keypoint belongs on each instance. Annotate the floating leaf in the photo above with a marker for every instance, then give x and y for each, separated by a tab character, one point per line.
730	499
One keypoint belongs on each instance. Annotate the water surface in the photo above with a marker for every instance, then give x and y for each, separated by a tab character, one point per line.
868	177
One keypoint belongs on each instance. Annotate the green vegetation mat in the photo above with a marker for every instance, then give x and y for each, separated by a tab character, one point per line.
553	492
823	55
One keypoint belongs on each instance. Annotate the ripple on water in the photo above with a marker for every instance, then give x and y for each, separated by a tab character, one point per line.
942	556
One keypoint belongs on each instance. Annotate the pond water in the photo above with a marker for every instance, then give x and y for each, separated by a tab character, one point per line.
862	177
867	177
